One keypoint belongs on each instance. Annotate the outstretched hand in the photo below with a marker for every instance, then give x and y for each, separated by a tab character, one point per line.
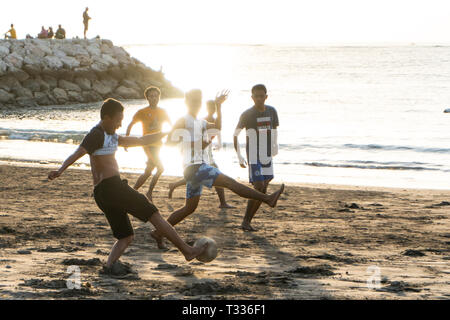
222	96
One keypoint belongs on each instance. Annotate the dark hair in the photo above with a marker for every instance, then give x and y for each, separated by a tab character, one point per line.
110	108
149	89
259	87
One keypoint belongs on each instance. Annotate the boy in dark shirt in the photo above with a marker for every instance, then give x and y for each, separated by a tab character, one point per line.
260	122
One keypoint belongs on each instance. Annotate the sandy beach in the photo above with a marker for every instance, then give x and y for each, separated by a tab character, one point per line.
317	244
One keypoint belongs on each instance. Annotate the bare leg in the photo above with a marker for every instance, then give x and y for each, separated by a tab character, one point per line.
176	217
166	230
176	184
143	177
154	181
118	249
253	206
246	192
223	202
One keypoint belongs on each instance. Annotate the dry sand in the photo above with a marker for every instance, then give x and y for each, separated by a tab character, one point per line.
317	244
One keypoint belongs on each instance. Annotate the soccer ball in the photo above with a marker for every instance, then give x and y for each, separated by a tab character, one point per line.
210	252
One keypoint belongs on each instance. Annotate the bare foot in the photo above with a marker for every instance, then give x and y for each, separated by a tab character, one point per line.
171	189
248	227
196	251
159	241
275	196
226	206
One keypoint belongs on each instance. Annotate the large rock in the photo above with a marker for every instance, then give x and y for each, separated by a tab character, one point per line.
19	74
4	51
70	62
14	59
22	92
6	96
42	98
3	68
69	86
103	87
60	95
53	62
8	82
52	82
32	84
83	83
91	96
127	93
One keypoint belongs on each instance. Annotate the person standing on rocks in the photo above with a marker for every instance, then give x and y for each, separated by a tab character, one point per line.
12	33
86	19
112	194
152	118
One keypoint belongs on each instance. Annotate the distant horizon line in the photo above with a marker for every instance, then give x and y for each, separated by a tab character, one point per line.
299	44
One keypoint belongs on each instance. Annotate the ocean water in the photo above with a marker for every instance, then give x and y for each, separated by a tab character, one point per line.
368	116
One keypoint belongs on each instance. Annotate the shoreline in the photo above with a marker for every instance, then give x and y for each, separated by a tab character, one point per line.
444	192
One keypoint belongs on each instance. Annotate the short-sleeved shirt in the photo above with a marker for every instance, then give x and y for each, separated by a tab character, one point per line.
261	123
97	142
152	120
12	31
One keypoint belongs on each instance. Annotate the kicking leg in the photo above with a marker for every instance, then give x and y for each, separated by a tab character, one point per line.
174	185
246	192
176	217
166	230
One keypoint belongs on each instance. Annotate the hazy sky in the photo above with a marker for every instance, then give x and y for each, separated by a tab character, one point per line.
238	21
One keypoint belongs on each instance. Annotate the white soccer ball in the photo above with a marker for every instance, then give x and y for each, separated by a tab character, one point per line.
210	252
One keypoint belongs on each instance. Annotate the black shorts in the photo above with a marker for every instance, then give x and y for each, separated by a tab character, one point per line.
116	198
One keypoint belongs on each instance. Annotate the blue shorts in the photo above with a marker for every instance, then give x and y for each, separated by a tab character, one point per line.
198	176
260	172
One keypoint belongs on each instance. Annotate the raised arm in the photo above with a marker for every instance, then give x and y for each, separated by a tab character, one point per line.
219	100
81	151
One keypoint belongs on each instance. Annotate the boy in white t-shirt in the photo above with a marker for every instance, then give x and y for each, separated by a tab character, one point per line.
192	132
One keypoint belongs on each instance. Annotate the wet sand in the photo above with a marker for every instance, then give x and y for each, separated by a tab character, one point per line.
317	244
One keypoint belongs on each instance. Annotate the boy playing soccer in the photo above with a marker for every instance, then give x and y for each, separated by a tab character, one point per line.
260	122
196	172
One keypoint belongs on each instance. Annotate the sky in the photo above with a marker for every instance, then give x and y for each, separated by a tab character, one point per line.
239	21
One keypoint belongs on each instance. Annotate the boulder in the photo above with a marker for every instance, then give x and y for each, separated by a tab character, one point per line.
91	96
53	62
14	59
94	50
4	51
70	62
8	82
19	74
99	67
127	93
50	81
84	60
109	61
5	96
69	86
26	102
75	96
22	92
42	98
103	87
83	83
3	68
32	84
60	95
